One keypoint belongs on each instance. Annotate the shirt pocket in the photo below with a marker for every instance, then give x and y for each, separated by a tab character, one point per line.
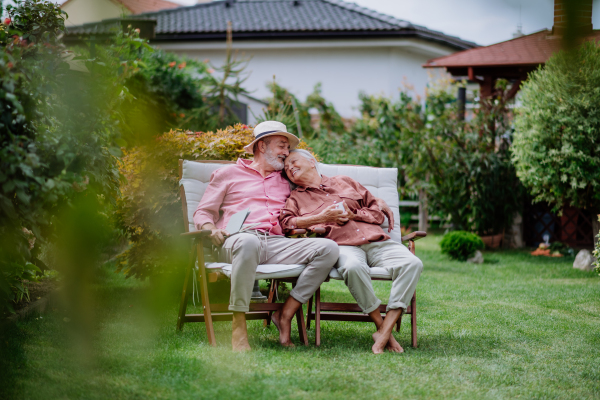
312	208
352	199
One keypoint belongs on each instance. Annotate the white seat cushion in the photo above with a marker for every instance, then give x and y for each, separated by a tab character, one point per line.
375	272
264	271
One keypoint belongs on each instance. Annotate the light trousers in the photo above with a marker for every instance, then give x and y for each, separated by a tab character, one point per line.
245	251
405	268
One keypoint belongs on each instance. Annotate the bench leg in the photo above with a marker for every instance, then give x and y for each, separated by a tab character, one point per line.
186	284
301	326
318	317
309	313
413	320
267	321
210	331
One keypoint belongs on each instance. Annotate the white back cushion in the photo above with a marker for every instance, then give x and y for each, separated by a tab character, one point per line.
381	182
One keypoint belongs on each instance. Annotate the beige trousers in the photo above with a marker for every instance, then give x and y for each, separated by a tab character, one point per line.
354	264
245	251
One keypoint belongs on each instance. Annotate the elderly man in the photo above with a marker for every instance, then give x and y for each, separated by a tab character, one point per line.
352	217
259	186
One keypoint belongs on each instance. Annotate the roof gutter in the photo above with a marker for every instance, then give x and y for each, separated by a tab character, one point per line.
304	35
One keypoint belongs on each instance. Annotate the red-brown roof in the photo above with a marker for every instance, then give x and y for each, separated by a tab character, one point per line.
532	49
140	6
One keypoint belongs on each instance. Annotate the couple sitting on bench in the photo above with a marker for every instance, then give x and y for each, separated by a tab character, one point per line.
353	242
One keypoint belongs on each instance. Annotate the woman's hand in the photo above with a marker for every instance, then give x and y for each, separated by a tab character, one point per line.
351	215
333	214
387	211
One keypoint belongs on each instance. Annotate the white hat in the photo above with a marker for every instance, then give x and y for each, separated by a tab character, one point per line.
271	128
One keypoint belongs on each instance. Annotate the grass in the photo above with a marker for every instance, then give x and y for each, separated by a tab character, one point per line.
515	326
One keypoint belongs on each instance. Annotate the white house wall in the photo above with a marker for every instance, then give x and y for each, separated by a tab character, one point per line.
84	11
344	68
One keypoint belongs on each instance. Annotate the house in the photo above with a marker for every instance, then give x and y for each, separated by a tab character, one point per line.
347	48
85	11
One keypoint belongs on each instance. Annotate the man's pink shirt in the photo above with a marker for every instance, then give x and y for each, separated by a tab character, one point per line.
237	187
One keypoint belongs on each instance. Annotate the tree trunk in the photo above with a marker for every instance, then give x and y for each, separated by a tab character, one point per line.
595	228
423	214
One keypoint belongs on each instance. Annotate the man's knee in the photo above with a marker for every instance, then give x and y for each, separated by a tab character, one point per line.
327	248
246	243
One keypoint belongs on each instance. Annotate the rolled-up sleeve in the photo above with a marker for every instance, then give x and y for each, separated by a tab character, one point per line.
369	211
287	217
208	208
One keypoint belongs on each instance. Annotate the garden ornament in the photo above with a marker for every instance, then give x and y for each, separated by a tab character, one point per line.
271	128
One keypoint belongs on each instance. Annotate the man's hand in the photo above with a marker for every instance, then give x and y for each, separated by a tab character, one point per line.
333	214
383	207
217	236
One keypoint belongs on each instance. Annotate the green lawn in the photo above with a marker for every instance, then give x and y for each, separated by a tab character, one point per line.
515	326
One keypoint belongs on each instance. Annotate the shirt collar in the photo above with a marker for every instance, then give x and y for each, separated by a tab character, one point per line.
246	164
325	182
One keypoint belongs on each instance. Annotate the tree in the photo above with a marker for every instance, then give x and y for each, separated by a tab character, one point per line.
556	149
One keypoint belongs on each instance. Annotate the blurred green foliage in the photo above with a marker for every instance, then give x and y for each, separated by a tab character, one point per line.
557	141
460	245
65	116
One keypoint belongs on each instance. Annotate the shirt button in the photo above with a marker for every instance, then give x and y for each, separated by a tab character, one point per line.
364	239
327	195
358	230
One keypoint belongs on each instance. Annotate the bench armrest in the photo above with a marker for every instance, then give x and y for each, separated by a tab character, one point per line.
318	231
202	233
414	236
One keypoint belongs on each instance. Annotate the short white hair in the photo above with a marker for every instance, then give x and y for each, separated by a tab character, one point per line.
307	154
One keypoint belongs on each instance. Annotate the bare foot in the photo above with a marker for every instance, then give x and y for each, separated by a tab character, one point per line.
240	345
275	319
283	328
392	345
239	333
380	343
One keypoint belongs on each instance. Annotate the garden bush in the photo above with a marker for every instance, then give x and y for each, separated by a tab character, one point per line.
556	147
64	116
463	166
460	245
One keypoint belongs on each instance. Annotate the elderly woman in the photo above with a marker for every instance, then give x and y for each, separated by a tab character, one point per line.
352	218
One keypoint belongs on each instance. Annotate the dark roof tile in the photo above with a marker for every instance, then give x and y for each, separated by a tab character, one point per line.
285	16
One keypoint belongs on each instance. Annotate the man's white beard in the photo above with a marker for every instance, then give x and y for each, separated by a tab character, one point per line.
273	160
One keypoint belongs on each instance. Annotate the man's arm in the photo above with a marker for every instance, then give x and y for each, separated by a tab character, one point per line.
207	212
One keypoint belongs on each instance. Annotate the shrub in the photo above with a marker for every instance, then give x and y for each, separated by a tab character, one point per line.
149	209
465	167
597	251
460	245
556	149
